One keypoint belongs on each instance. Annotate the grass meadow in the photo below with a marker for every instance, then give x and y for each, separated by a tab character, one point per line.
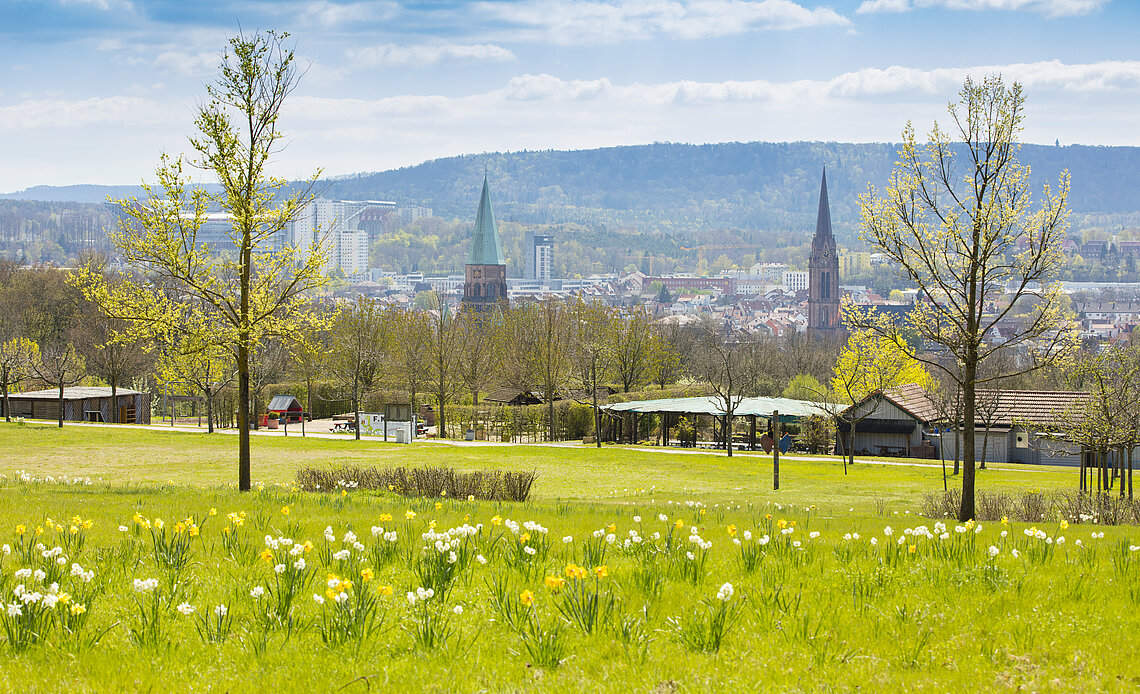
629	570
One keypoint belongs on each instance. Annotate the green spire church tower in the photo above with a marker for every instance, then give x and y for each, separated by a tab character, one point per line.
485	283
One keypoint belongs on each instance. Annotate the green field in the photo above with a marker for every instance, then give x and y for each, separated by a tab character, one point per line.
835	612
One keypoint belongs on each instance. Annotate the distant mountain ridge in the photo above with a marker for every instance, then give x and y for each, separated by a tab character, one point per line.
679	187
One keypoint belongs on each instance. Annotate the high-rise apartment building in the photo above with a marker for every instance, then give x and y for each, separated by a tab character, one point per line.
538	261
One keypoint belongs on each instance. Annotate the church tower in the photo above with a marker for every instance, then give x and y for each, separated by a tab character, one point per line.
485	283
823	274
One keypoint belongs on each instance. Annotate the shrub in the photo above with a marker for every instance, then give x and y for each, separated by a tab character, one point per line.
487	485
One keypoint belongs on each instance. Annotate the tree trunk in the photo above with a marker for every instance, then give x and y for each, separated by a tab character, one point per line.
209	410
727	432
597	412
356	414
550	414
440	421
243	414
7	407
61	403
776	449
942	453
114	403
967	511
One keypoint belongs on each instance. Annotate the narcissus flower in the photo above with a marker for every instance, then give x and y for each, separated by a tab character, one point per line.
555	583
527	598
410	514
601	571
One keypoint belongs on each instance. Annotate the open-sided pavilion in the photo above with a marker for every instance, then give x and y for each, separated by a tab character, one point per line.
630	417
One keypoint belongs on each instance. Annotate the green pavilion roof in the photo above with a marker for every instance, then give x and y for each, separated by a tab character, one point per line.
761	407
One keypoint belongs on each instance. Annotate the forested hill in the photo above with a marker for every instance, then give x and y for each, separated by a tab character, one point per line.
677	187
750	185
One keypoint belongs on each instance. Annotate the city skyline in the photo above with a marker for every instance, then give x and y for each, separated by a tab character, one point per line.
95	90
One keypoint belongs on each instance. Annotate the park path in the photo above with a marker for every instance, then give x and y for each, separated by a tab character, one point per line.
559	444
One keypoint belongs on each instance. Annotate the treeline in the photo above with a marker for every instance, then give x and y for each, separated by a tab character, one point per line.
33	232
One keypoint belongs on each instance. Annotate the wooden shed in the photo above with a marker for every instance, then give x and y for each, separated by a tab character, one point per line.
83	404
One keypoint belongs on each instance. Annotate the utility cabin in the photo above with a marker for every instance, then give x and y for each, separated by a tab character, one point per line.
885	425
287	408
1010	426
83	404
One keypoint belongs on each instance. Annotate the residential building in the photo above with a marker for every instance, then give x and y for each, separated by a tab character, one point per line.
538	256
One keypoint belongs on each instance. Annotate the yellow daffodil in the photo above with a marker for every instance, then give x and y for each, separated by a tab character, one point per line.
410	514
781	523
20	530
87	524
344	492
266	555
438	506
524	538
213	511
284	510
527	598
555	583
386	590
612	528
431	525
74	529
192	531
497	520
1064	524
601	571
731	529
679	524
77	609
367	575
912	549
443	492
308	546
702	512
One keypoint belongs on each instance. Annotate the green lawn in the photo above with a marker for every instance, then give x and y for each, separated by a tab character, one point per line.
613	473
834	613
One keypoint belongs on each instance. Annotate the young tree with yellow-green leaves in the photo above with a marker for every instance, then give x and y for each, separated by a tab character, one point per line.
957	218
182	286
196	364
868	363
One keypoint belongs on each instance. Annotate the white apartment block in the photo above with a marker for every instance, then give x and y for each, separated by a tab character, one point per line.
796	280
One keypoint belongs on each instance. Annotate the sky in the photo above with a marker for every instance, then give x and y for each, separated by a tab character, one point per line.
94	91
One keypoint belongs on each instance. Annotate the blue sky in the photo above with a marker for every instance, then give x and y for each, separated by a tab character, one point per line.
92	91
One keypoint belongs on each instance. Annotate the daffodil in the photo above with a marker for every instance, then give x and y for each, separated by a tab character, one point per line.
601	571
555	583
527	598
284	510
410	514
367	575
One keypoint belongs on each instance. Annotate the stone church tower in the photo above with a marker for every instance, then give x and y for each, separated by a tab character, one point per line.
485	283
823	275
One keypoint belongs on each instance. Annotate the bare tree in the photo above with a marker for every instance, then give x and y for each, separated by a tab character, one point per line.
729	370
60	366
359	340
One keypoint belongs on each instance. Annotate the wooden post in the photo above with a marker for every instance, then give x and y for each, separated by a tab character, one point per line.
776	449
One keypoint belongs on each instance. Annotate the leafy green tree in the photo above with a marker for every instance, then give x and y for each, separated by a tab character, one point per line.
952	217
181	285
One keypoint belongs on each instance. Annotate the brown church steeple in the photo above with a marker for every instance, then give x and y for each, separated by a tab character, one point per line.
823	274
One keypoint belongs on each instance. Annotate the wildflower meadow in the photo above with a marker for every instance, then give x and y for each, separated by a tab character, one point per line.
112	586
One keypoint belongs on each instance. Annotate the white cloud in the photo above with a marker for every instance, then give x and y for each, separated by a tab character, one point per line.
1048	8
331	14
62	113
611	21
191	64
424	55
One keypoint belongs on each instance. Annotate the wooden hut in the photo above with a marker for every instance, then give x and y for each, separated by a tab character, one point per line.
83	404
